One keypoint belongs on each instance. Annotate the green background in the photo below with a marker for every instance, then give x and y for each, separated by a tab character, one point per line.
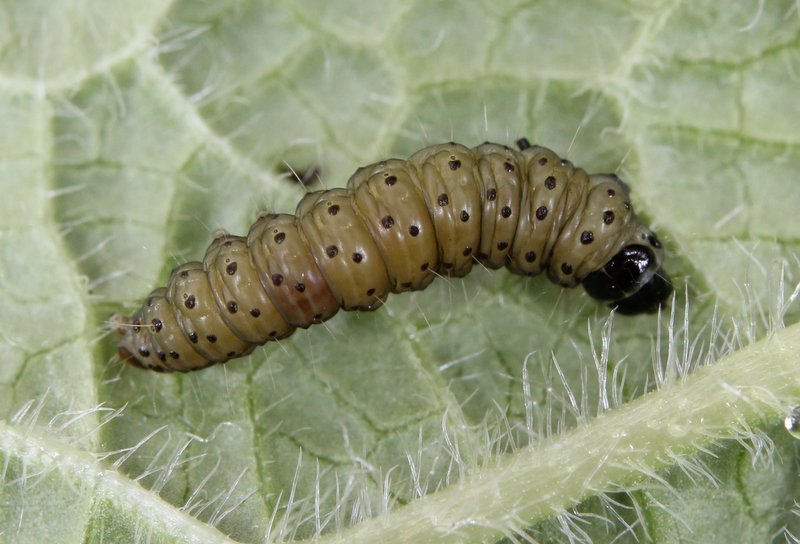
131	130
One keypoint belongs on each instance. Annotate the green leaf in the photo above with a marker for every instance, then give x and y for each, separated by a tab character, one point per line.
489	408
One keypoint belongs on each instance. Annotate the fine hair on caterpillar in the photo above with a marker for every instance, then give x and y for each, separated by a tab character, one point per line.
396	226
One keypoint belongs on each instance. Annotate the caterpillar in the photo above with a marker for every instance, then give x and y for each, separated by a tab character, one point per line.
396	226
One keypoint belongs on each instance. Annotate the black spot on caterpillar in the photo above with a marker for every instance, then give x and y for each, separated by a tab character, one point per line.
395	227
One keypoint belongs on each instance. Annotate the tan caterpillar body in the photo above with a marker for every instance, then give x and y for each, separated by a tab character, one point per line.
397	225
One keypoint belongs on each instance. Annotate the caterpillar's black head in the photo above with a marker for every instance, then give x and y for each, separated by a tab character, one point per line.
633	281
